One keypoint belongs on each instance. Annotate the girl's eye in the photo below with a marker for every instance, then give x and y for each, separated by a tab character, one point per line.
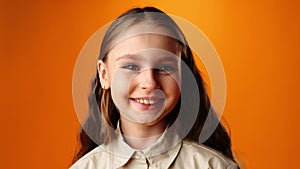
165	69
131	67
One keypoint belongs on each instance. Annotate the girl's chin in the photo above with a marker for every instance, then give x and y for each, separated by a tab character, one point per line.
144	119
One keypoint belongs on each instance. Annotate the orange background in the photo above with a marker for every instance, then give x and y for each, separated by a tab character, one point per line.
258	42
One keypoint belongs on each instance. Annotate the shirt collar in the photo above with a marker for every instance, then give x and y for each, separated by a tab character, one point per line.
122	152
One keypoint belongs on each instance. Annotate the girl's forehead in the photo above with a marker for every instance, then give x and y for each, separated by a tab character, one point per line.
142	42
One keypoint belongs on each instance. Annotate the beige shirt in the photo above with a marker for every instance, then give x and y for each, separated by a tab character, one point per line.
169	151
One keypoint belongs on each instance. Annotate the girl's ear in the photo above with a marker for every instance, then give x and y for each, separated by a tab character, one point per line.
103	74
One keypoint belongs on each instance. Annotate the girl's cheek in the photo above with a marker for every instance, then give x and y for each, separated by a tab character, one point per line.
171	80
123	80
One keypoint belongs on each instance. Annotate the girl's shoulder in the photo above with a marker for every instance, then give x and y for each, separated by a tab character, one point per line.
189	145
88	159
97	158
200	154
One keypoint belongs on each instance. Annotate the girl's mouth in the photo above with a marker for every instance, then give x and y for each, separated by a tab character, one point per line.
148	103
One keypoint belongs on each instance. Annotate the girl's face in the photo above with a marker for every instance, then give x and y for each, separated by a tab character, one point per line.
144	75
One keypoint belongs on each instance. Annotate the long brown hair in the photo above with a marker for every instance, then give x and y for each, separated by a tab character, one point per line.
103	114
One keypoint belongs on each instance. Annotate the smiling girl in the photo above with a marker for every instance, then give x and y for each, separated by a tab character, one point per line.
148	102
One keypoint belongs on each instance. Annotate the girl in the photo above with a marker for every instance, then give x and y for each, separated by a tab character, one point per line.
148	103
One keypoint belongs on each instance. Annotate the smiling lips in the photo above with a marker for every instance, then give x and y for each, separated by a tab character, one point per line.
147	101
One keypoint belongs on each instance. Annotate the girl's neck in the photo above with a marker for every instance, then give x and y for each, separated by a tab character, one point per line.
140	136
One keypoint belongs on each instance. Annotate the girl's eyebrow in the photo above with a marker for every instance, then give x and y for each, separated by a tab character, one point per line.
170	58
127	56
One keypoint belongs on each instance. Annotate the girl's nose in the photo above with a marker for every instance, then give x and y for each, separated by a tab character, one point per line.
148	80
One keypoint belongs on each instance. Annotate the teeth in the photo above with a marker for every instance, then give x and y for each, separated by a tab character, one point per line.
151	101
145	101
